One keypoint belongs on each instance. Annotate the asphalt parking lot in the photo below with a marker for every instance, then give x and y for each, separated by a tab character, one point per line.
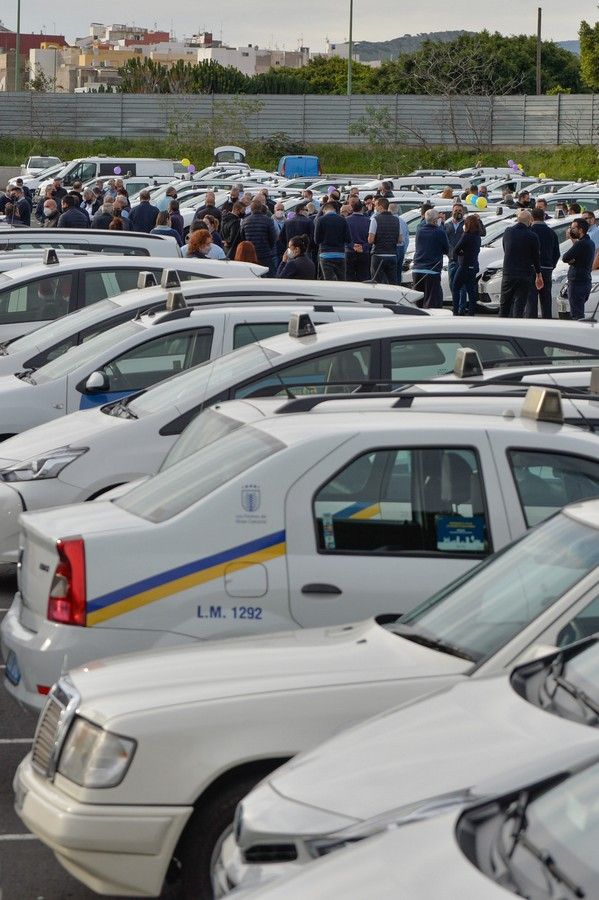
28	870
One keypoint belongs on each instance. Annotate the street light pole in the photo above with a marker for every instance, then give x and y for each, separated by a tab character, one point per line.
18	47
539	21
351	47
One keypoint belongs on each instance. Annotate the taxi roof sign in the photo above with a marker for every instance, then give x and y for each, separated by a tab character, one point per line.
146	279
175	300
544	405
50	257
467	363
300	325
170	279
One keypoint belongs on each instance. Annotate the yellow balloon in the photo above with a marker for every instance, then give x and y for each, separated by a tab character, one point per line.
521	167
482	202
185	162
469	198
542	175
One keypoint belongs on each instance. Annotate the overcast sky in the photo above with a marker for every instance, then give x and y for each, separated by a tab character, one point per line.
285	24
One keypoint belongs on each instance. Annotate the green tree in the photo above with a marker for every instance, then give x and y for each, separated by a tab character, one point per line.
479	64
588	36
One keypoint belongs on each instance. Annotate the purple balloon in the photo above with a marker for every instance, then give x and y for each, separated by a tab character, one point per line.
330	188
117	170
511	163
191	169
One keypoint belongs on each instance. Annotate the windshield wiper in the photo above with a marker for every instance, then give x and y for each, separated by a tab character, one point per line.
25	375
409	632
556	673
121	410
519	838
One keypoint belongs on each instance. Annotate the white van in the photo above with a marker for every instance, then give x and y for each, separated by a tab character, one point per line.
88	167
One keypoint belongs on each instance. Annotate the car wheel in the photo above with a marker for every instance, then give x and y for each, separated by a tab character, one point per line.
201	842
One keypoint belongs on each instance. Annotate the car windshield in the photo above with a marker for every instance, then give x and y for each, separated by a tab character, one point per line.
495	232
209	426
489	606
175	489
64	327
208	380
79	355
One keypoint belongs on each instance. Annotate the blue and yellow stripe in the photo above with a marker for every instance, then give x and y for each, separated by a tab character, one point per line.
358	511
173	581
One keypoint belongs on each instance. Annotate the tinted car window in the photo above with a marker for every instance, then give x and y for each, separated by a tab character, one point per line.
548	481
424	359
37	301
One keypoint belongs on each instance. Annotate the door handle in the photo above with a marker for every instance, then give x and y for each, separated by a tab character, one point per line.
321	589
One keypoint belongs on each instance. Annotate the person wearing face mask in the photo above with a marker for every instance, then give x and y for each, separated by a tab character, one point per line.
580	258
278	217
454	228
51	213
296	264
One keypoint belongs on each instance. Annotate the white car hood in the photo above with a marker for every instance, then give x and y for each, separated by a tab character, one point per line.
72	430
306	659
456	739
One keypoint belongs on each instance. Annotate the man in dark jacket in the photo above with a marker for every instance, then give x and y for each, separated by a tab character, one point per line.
549	251
383	236
300	224
331	235
357	252
233	198
104	216
143	216
58	192
260	230
230	229
208	209
21	205
431	246
176	218
72	216
580	257
522	259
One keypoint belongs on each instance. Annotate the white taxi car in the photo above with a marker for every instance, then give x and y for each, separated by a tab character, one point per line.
287	522
138	763
36	294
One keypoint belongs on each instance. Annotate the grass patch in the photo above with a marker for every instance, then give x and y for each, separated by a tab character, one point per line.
557	162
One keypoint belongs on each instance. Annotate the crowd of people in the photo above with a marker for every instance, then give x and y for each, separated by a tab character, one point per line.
341	238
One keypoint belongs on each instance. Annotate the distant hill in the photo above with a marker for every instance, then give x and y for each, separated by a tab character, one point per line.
408	43
572	46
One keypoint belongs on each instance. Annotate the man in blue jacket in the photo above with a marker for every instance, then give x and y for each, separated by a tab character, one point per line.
521	260
580	257
431	246
331	234
143	216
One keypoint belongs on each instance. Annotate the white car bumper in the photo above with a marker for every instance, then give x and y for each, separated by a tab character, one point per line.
123	850
11	507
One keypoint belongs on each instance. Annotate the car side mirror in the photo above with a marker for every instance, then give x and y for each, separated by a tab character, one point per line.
96	383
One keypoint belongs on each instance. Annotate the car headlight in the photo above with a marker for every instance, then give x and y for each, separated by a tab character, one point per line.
94	758
392	818
47	465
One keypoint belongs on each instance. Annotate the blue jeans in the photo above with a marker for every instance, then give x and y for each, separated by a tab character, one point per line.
401	252
465	281
452	269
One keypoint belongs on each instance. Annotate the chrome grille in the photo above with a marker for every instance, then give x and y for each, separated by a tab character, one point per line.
52	727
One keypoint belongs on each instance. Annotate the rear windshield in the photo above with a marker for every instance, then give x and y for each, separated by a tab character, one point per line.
62	328
177	488
209	426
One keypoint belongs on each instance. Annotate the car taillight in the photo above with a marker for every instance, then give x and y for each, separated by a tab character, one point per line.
67	598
